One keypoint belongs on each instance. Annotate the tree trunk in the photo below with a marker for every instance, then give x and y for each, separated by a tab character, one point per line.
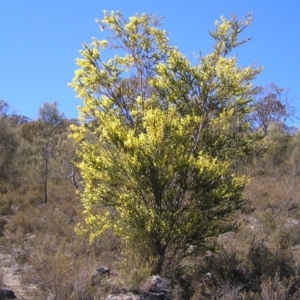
45	193
66	185
46	175
161	252
159	265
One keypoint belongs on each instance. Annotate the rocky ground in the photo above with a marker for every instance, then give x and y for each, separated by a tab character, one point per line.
11	272
11	277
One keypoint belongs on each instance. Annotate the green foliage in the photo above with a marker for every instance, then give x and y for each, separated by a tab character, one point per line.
271	105
158	137
279	136
43	136
294	156
134	268
8	144
259	261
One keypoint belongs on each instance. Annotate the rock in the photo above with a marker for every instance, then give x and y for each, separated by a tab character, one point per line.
253	223
206	277
103	270
290	223
100	273
156	288
154	296
11	278
156	284
128	296
224	239
7	294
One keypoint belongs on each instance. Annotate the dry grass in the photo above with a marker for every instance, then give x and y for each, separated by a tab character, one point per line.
259	261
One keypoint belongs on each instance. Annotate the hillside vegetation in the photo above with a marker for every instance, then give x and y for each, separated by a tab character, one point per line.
155	177
40	207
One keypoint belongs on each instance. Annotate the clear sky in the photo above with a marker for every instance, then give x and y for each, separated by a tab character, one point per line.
40	40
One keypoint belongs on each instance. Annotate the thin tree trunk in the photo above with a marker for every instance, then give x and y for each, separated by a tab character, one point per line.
66	185
161	252
45	193
46	175
159	265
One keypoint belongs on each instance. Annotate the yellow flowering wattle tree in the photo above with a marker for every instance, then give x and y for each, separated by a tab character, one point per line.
159	137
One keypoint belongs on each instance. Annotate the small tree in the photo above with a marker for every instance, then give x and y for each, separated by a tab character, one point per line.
271	105
9	143
43	135
158	137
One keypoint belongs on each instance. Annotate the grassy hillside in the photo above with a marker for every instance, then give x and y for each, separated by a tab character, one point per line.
259	260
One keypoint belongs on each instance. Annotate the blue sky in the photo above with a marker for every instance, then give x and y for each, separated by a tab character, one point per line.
40	41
